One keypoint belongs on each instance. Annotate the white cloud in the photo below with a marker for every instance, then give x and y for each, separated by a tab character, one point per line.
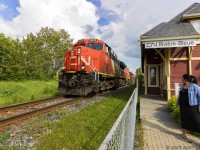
75	16
79	18
2	6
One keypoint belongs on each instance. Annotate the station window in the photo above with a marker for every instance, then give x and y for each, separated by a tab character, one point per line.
153	76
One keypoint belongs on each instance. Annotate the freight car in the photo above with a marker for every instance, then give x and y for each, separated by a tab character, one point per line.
91	66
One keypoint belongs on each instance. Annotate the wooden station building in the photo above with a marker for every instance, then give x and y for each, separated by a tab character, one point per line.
170	50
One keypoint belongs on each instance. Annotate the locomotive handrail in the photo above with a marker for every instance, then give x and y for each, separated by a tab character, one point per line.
96	74
92	67
57	73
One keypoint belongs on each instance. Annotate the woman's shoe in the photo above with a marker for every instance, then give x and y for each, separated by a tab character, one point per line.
183	136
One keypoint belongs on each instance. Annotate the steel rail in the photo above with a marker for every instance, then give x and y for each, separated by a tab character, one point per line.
20	118
27	104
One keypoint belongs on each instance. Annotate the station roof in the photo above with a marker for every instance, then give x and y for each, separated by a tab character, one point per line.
195	9
179	26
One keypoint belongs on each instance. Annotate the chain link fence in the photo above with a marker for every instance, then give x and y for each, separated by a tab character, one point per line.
121	135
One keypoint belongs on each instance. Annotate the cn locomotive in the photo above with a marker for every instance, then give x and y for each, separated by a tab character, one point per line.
92	66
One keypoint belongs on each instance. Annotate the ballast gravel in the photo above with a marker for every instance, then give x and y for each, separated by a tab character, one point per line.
28	135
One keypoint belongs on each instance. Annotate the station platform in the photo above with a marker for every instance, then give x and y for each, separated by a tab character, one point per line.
161	131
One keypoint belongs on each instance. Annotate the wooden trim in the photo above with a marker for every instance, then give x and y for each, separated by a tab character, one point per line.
174	59
145	76
195	58
190	49
161	75
189	59
192	58
167	66
161	55
164	76
191	16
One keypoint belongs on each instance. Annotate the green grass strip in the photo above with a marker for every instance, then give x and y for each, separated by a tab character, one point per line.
87	128
18	92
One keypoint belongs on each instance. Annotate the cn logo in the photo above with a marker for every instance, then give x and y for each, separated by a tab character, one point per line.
151	44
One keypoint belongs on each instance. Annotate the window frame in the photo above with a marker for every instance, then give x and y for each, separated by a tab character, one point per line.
157	76
90	45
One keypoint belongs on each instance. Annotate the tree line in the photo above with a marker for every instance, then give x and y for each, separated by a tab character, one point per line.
36	56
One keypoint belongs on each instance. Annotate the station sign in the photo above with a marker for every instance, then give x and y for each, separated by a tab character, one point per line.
167	44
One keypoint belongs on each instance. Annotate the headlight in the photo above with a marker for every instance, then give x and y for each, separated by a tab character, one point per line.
78	50
83	67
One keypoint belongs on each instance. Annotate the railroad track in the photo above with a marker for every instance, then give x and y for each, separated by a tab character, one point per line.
16	114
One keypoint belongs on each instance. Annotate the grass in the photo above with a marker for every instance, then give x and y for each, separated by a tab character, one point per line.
4	135
139	135
87	129
18	92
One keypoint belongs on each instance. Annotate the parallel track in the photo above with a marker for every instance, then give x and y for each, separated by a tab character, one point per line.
6	109
17	119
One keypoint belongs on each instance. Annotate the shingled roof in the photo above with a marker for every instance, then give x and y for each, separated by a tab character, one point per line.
195	9
176	27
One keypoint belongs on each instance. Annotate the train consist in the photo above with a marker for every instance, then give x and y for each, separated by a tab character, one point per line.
92	66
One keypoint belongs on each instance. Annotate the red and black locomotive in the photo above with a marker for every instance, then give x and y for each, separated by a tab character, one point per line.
92	66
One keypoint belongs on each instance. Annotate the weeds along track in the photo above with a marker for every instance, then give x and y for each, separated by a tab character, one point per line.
15	114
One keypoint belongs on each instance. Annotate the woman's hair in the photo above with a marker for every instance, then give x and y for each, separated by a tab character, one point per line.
194	79
187	77
190	78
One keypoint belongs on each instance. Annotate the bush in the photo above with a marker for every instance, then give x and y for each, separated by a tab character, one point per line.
171	103
175	111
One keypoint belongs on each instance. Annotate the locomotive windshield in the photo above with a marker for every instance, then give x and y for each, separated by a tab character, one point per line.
97	46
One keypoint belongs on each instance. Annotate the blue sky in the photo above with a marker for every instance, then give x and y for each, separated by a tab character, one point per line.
8	9
117	22
106	16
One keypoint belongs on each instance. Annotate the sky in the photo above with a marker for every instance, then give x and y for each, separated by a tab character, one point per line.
117	22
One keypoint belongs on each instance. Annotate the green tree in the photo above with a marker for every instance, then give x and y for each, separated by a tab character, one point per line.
7	54
53	45
18	61
32	57
36	56
140	77
44	52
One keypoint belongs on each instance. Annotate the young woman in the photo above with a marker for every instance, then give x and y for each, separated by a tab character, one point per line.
189	102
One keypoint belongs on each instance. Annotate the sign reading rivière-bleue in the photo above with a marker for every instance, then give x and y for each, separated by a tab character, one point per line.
167	44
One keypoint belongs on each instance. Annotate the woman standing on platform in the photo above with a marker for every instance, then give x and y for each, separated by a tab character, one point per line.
189	102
